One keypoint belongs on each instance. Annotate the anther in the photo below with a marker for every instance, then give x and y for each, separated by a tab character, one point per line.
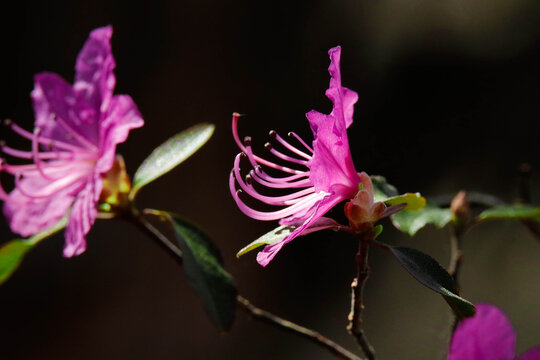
2	143
289	134
8	122
268	146
247	141
249	179
243	155
272	134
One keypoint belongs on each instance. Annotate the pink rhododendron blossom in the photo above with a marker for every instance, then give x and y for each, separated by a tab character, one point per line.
327	175
488	335
77	128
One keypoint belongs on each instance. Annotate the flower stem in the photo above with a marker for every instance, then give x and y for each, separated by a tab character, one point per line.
244	304
357	289
456	254
285	325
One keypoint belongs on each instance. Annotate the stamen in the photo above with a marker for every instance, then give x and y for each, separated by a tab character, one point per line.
282	185
292	148
282	156
259	171
50	189
292	134
81	139
35	155
254	158
271	200
43	140
28	155
307	202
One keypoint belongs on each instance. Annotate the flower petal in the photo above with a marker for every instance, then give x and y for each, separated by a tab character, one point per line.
121	117
83	216
486	336
27	217
61	115
532	354
332	168
94	79
318	210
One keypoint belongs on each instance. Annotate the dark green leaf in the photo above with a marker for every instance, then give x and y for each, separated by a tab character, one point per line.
170	154
204	270
428	272
521	212
411	221
13	252
274	236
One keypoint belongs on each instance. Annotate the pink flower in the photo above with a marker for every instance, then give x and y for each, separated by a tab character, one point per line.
327	177
487	336
74	141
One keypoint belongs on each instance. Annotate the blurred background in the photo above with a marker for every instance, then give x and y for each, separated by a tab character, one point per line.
448	100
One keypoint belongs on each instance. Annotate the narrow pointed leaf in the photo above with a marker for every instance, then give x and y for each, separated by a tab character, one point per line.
170	154
13	252
521	212
410	222
204	270
429	273
271	237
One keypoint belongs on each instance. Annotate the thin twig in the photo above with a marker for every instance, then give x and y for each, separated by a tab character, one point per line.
357	289
285	325
456	254
243	303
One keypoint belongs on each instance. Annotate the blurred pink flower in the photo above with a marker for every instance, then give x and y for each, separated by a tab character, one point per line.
74	141
328	178
487	336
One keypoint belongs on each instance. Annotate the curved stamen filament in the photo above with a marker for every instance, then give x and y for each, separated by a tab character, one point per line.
35	153
297	137
43	140
259	171
290	147
280	185
271	200
307	202
50	189
49	155
254	158
283	156
80	138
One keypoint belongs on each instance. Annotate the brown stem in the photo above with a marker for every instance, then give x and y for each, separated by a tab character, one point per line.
456	255
244	304
357	289
285	325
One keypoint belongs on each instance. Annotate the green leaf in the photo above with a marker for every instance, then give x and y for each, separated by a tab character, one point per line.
382	190
414	202
387	193
170	154
13	252
429	273
521	212
204	270
410	222
274	236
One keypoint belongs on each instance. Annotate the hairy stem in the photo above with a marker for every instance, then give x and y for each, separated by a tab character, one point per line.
244	304
357	290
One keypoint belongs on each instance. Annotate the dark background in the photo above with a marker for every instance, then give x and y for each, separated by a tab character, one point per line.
448	100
